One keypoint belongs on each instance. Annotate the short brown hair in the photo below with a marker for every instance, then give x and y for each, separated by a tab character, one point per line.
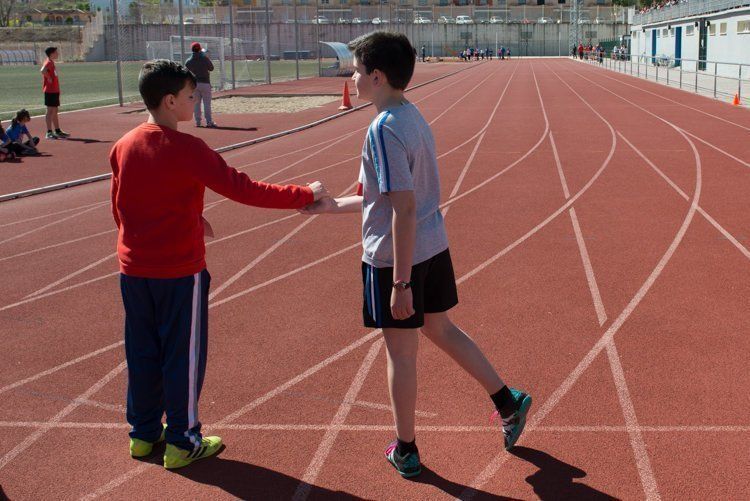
391	53
160	78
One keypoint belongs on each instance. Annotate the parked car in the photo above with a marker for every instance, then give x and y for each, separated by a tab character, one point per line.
545	20
399	20
446	20
379	20
584	20
343	20
497	20
360	20
422	20
321	20
464	20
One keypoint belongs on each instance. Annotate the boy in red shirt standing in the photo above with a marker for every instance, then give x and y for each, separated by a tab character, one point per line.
51	89
159	176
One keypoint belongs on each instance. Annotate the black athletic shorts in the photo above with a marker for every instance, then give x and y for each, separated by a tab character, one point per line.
52	99
433	290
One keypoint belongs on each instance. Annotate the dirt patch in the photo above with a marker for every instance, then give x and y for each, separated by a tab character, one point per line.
264	104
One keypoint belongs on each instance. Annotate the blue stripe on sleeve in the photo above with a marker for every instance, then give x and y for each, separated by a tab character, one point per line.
385	155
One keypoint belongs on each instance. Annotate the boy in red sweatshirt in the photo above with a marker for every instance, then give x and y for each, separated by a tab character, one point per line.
159	176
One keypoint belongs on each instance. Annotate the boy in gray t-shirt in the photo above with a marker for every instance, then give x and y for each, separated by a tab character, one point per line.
407	272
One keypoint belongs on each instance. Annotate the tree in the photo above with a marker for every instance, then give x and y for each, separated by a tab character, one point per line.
6	11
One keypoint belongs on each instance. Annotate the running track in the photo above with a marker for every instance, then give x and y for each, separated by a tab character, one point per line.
599	229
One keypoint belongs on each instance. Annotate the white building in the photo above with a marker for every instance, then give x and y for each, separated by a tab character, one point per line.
693	31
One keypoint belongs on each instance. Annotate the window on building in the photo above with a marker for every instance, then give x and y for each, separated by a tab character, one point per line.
712	30
723	29
665	32
743	27
689	30
658	33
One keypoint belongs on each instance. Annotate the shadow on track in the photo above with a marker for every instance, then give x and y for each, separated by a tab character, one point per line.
454	489
554	480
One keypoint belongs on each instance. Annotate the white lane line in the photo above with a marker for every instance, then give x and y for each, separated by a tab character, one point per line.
716	148
645	471
71	275
596	297
389	427
58	291
494	465
118	481
677	102
44	226
65	211
61	367
745	252
36	435
588	359
59	244
674	126
326	444
388	408
268	251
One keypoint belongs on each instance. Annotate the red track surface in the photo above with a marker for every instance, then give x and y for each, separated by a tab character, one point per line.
599	233
96	130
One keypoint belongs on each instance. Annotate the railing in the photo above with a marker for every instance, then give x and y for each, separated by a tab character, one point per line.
720	80
686	9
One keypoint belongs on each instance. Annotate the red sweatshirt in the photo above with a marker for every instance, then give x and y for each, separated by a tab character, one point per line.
159	176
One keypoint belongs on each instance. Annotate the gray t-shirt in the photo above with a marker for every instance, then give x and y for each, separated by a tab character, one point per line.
399	155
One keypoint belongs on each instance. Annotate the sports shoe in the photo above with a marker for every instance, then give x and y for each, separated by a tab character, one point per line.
140	448
174	457
52	135
211	125
513	425
61	133
408	466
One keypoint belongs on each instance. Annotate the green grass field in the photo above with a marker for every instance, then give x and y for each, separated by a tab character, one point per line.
85	85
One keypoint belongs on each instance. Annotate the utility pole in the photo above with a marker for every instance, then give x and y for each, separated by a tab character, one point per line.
573	29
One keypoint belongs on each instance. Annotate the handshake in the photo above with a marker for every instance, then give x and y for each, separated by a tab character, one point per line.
323	201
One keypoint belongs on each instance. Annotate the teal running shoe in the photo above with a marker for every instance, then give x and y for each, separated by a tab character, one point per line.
514	424
408	465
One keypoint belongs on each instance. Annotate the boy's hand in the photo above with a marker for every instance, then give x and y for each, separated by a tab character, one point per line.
402	304
319	191
322	206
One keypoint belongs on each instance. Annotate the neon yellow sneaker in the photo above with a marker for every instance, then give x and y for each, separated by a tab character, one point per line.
140	448
174	457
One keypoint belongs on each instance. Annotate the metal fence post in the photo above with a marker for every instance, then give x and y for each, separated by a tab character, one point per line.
680	74
739	84
182	33
268	43
231	41
667	74
296	41
716	73
116	28
657	72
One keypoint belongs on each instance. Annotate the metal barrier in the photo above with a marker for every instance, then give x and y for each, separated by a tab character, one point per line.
720	80
23	56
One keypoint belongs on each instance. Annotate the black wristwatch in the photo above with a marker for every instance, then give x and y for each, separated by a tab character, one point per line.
401	285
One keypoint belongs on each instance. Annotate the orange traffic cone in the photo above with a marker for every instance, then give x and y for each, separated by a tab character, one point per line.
736	101
346	103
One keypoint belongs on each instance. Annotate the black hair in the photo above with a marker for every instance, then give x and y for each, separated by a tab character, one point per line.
391	53
50	50
21	114
160	78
